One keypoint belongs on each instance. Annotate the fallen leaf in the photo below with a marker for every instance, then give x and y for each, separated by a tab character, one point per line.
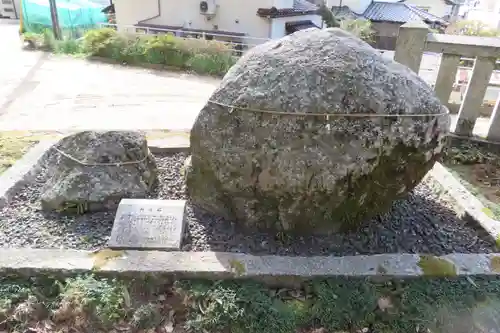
169	327
381	270
472	282
384	303
126	298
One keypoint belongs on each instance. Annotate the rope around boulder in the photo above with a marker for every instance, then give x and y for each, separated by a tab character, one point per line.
98	164
327	115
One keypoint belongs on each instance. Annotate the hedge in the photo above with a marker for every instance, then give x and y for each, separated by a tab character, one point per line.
198	55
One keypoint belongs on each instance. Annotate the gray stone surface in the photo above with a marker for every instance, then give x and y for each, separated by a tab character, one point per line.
97	169
471	205
148	224
313	173
22	171
275	270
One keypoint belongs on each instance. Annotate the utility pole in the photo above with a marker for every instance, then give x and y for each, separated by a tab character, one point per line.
55	19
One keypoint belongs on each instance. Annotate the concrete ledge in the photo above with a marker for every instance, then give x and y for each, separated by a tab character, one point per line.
174	144
22	171
272	270
471	205
454	140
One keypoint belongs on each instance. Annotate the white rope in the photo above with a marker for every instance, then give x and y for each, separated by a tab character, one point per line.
117	164
328	115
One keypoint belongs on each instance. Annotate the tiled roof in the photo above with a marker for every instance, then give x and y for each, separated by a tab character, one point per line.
294	26
398	12
300	7
344	12
304	5
448	2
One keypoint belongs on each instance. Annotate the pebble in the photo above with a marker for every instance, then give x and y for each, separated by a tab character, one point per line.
425	222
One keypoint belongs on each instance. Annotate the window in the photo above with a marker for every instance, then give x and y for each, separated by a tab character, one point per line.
7	2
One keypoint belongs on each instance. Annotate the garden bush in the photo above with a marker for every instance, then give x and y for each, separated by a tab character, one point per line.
199	55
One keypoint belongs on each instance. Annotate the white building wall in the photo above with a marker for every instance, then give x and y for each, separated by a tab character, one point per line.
230	15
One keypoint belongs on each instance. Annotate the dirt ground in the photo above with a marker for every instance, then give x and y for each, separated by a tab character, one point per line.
479	170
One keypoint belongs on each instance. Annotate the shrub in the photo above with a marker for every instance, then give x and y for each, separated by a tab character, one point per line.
199	55
472	28
166	50
68	46
89	296
328	17
48	40
213	64
100	42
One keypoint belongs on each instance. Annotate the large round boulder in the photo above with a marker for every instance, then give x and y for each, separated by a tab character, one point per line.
314	131
94	170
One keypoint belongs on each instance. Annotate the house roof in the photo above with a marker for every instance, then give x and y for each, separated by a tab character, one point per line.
344	12
300	7
294	26
109	9
398	12
448	2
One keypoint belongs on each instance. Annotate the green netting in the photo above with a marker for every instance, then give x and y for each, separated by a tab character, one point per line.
74	15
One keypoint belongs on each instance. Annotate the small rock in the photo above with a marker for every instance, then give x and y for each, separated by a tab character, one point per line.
94	170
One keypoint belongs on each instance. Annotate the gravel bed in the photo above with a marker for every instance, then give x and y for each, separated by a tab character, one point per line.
425	222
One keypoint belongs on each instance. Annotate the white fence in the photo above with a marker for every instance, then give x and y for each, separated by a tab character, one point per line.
236	41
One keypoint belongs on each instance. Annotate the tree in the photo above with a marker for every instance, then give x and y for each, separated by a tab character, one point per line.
472	28
328	17
359	28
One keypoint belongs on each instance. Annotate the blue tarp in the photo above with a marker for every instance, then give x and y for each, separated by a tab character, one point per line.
72	14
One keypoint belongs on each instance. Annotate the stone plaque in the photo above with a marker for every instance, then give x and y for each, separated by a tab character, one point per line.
148	224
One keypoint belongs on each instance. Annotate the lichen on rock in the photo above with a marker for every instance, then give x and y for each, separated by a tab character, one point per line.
94	170
309	165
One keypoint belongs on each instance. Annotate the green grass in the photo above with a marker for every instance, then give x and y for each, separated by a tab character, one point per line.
91	303
12	147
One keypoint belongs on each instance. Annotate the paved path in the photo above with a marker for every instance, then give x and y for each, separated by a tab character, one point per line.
41	92
70	94
46	93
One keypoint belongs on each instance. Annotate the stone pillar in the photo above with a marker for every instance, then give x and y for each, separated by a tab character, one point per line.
410	45
446	76
474	95
494	125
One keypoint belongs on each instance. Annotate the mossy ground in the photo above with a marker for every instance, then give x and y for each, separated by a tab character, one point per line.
478	169
14	144
93	304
